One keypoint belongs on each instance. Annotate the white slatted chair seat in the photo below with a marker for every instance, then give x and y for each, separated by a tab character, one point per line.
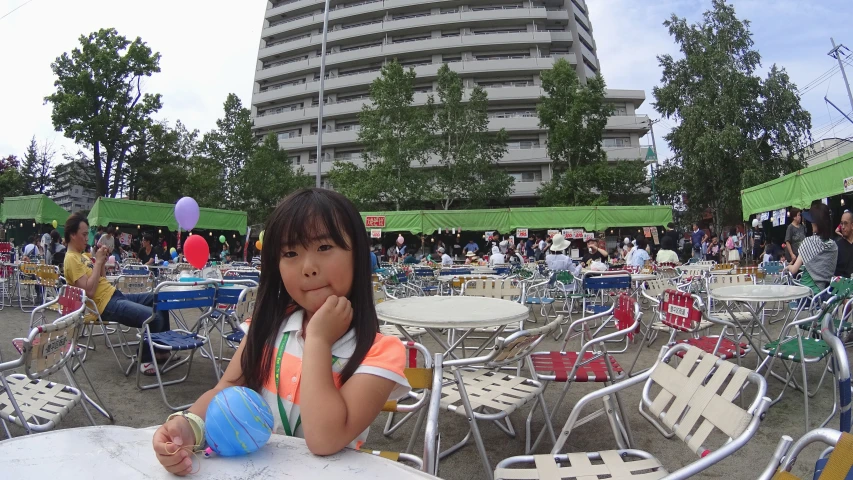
665	328
393	331
494	390
610	464
42	402
735	317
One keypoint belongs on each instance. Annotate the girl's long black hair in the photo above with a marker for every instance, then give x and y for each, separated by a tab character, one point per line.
298	218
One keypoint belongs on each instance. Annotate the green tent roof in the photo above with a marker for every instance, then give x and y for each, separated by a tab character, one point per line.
38	208
133	212
506	219
800	188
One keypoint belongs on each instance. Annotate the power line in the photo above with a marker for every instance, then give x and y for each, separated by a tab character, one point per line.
13	10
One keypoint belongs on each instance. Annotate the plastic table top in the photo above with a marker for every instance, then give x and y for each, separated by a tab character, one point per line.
760	293
451	312
120	452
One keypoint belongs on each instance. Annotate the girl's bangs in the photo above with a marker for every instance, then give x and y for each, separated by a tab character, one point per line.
307	217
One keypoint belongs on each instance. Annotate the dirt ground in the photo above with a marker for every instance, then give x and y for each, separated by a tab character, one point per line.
134	408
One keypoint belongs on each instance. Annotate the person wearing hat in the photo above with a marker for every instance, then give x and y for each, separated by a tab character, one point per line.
558	260
446	261
818	254
497	258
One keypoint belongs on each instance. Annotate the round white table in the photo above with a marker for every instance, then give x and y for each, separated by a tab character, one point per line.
695	268
454	313
120	452
760	293
467	276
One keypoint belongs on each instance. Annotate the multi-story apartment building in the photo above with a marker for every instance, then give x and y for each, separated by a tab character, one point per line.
71	192
502	45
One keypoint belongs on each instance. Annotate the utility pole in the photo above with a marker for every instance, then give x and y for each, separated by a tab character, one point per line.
322	94
837	53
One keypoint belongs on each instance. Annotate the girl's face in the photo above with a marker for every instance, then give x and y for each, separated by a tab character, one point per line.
312	274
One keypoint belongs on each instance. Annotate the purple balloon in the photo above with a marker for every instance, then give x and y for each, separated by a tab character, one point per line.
186	213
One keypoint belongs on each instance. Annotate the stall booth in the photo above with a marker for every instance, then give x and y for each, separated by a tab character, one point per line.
830	182
133	218
30	215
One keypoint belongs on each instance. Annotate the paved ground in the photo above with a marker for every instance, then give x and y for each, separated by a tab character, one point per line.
141	409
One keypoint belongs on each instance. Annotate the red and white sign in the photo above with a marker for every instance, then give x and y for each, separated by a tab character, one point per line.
375	233
377	221
551	233
587	236
521	233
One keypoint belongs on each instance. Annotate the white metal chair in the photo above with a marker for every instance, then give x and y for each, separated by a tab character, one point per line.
480	390
692	401
380	294
35	403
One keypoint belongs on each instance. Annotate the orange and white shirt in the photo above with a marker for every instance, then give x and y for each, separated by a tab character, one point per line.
386	359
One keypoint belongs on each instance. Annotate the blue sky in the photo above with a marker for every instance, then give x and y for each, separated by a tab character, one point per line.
209	49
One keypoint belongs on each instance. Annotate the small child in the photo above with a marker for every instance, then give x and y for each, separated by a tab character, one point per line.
312	348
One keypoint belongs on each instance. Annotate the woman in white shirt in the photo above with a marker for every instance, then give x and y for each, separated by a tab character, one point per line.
666	254
558	260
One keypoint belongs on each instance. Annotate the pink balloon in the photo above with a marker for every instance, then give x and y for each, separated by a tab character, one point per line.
196	251
186	213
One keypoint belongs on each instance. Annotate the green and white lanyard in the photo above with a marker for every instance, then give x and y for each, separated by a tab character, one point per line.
284	422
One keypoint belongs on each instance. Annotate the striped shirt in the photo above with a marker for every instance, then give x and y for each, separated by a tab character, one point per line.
386	359
819	258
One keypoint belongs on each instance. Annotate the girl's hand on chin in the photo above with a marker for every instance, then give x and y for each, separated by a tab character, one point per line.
331	321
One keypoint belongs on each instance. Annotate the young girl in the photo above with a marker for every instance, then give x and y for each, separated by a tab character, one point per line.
312	348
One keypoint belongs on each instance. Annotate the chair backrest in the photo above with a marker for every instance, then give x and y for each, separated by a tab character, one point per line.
771	268
28	268
246	303
183	267
706	262
754	271
724	266
421	272
134	283
47	275
131	261
787	452
492	288
520	344
135	270
667	272
70	299
719	281
655	288
457	271
5	247
596	283
419	378
189	295
678	311
627	314
698	396
48	347
842	287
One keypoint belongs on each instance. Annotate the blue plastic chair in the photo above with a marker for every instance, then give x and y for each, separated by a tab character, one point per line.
171	297
597	284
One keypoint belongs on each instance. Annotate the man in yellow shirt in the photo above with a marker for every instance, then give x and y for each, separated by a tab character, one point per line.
88	274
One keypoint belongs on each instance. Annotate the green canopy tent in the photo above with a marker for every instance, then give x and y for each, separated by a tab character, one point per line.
507	219
133	212
800	188
22	212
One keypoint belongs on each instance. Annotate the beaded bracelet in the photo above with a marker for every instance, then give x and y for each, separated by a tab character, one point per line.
197	425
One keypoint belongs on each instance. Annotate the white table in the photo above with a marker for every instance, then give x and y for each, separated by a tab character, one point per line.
642	277
695	268
455	313
755	297
121	452
467	276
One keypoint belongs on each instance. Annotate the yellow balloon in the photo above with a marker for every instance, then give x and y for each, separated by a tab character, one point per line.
54	223
262	236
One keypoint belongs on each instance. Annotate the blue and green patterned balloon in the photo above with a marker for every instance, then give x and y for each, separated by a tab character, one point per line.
238	422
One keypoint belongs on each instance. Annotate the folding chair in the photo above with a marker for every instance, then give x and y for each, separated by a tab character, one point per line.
7	281
593	363
425	278
27	286
692	401
428	378
600	285
835	462
409	333
506	289
172	296
235	302
727	280
479	390
540	295
793	347
35	403
684	313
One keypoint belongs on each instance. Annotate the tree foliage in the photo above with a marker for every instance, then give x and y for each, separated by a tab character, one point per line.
11	182
575	115
735	129
396	136
467	152
36	168
99	102
267	178
230	145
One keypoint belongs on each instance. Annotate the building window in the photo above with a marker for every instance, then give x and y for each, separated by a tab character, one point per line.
530	176
617	142
620	109
294	133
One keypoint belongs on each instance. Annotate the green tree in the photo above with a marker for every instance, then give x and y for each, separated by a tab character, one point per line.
99	103
735	129
467	152
36	169
268	177
11	182
230	145
575	115
158	170
396	136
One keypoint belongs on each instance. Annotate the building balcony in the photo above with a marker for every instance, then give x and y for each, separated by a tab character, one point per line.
425	46
525	189
628	123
